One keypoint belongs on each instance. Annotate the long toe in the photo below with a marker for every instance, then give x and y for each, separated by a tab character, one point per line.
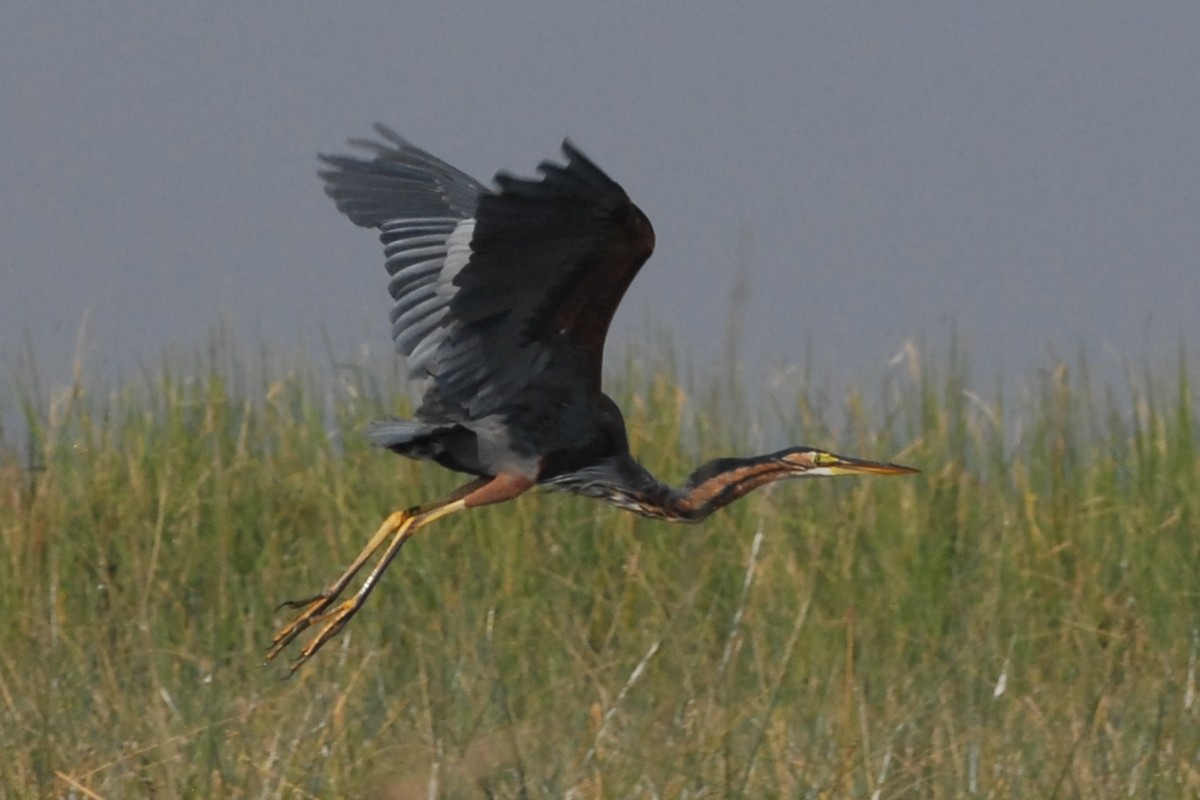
334	621
325	597
311	613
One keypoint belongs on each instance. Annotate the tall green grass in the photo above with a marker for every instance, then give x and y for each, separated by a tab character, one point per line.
1020	620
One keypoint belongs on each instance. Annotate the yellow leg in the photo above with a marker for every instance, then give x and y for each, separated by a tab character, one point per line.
336	618
313	606
399	526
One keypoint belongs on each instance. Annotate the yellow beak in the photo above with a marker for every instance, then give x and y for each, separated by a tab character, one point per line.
844	465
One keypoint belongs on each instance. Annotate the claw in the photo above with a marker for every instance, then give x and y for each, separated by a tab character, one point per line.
312	612
334	621
303	601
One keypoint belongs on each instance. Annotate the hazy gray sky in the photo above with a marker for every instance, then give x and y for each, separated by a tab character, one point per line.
1026	171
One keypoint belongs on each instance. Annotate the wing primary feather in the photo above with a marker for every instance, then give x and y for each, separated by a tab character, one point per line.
497	294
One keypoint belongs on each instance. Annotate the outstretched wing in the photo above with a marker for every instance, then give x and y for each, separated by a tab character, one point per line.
422	208
495	292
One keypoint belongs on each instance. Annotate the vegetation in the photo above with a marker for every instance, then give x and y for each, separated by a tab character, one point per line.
1020	620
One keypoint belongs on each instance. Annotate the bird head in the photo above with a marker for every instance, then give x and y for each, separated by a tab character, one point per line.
804	462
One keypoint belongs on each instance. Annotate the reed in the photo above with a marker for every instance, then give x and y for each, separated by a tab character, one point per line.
1021	620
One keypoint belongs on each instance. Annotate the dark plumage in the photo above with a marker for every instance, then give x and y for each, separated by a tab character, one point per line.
501	304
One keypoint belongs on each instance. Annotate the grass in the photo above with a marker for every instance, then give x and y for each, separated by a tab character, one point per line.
1021	620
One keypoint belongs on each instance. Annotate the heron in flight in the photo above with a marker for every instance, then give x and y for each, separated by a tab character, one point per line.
502	299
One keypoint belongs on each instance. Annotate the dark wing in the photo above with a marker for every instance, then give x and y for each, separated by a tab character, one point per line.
520	294
551	260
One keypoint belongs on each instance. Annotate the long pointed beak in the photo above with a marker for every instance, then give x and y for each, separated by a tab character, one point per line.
844	465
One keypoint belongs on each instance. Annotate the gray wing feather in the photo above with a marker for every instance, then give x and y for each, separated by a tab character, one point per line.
402	182
417	202
501	298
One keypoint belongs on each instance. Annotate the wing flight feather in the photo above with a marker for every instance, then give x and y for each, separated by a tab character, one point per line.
498	296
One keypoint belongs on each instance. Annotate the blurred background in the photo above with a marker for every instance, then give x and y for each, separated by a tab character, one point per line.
828	181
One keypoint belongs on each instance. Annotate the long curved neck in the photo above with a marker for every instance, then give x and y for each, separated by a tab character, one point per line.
624	482
718	483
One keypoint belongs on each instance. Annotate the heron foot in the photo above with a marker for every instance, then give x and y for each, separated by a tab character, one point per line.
314	613
397	528
313	608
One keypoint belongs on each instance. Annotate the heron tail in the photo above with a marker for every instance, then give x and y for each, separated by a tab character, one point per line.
407	437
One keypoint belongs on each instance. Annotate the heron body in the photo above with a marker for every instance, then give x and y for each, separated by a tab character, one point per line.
502	301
